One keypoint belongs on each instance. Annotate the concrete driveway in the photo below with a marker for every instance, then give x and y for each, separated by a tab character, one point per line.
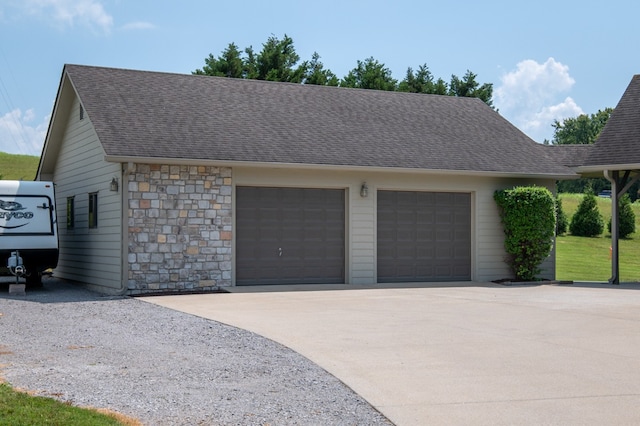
459	354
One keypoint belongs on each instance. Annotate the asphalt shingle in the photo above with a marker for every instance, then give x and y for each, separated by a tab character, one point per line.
161	115
620	139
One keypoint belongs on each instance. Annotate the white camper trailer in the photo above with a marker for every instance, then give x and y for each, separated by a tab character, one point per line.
28	229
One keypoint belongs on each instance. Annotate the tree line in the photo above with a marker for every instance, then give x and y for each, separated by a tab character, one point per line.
278	61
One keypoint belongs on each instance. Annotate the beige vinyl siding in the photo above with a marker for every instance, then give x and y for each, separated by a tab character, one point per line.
92	256
489	236
362	220
487	251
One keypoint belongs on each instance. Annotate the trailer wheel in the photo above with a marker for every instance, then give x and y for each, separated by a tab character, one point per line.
34	280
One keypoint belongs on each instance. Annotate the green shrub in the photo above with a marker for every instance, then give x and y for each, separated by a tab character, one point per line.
587	220
562	223
529	220
627	218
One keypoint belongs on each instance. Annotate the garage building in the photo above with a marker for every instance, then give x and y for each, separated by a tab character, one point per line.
182	182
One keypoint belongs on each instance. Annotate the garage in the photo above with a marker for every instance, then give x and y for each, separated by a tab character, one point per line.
290	236
423	236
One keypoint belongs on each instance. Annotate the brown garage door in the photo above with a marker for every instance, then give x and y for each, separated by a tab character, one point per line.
289	236
424	236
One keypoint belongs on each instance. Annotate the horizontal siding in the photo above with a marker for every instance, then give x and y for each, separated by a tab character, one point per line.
362	254
491	255
89	255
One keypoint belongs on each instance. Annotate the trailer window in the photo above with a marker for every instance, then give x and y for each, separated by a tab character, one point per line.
93	210
71	213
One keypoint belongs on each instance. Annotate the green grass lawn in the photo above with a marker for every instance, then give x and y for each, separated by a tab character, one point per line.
18	409
587	259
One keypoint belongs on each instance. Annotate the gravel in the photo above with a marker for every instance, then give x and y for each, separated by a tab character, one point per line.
160	366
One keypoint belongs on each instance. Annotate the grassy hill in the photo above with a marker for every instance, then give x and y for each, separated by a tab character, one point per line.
18	167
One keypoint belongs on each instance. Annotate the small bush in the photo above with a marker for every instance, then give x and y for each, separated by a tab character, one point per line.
627	218
528	216
562	223
587	220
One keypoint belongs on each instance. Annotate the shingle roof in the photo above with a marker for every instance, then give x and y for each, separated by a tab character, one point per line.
570	155
151	114
619	142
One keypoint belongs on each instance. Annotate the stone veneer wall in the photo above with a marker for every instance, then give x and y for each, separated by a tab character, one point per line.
180	228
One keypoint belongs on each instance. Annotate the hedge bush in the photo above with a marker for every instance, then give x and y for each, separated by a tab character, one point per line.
529	221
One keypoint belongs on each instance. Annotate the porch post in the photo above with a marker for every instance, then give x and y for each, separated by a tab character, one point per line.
615	227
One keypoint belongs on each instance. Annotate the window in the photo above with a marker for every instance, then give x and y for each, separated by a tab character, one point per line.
71	212
93	210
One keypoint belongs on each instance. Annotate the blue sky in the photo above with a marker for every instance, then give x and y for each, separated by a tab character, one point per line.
547	59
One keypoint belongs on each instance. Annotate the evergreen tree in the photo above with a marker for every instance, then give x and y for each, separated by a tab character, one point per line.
316	74
627	218
562	223
587	220
278	61
229	64
467	86
370	74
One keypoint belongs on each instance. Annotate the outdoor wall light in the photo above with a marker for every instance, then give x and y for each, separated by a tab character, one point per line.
113	186
364	190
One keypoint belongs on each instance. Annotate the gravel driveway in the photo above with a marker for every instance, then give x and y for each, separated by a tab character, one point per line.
161	366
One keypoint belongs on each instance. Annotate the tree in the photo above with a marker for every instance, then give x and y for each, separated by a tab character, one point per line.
275	62
422	82
626	217
529	220
370	74
229	64
587	220
316	74
278	61
583	129
467	86
562	223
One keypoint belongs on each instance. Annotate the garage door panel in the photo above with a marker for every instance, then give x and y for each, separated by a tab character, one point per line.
444	234
425	218
289	235
426	253
423	236
405	235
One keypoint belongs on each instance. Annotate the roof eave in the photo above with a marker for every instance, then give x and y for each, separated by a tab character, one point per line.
601	168
332	167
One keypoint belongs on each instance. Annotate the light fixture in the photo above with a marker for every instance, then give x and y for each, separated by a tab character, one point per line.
364	190
113	186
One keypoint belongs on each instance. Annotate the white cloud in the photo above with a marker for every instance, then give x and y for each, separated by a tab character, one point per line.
18	135
538	121
64	13
531	97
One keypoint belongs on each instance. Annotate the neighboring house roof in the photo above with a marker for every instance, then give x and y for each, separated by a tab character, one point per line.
618	146
153	116
570	155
